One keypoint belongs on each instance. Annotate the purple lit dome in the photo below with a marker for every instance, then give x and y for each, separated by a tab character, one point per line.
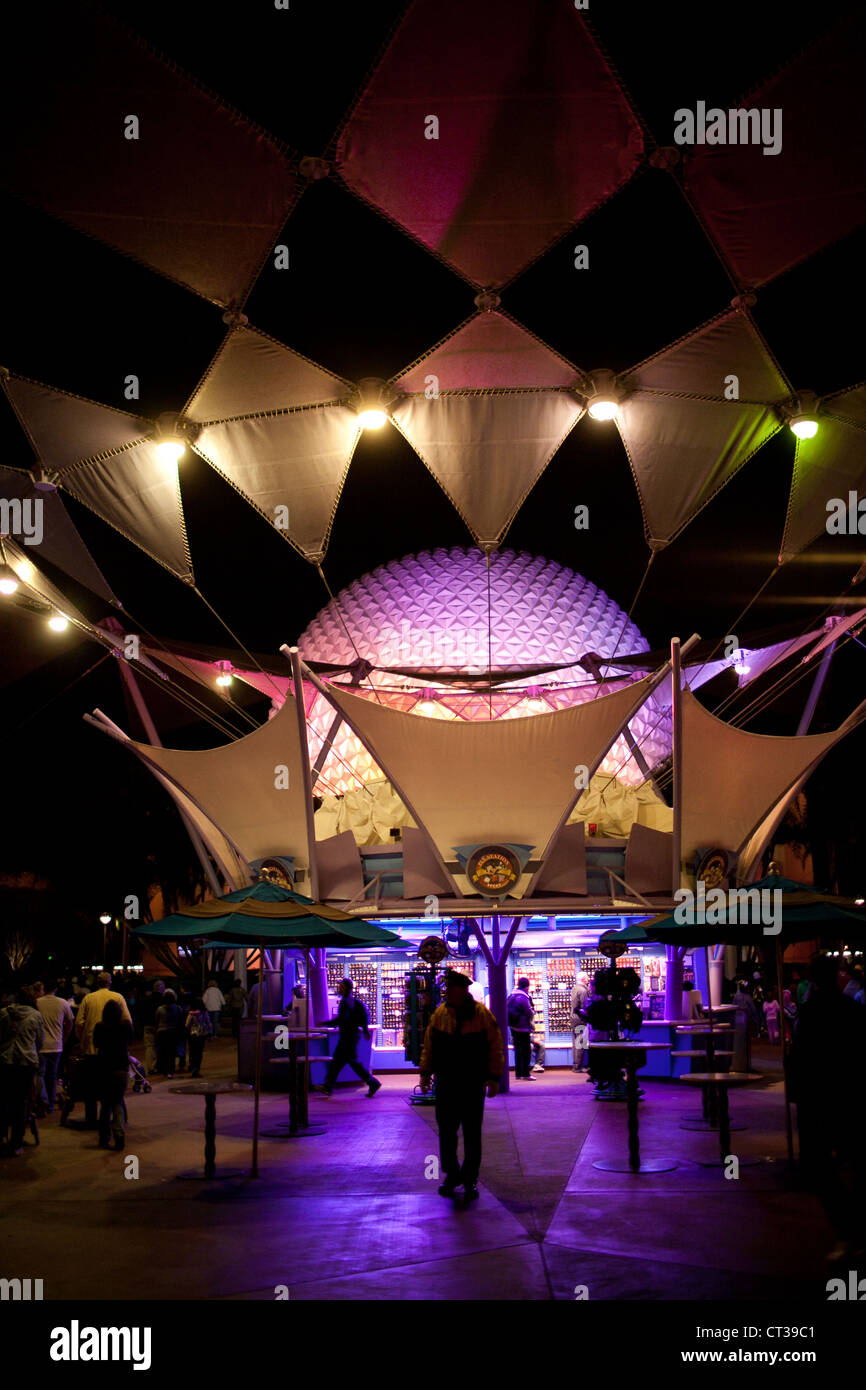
441	612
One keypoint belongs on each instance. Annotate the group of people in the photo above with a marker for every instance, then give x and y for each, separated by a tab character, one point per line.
35	1031
79	1033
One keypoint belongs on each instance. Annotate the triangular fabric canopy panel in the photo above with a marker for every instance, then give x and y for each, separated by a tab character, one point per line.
253	374
105	459
499	781
291	466
241	787
230	865
28	573
766	212
60	544
501	174
684	439
487	451
826	467
193	190
731	777
490	352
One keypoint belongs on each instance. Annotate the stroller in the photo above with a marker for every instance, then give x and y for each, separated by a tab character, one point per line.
137	1076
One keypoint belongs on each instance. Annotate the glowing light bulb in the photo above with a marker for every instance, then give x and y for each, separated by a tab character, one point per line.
170	451
603	408
8	581
804	426
741	665
372	419
58	623
105	918
224	679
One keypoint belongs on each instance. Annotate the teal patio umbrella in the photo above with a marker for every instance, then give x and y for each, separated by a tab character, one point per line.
267	914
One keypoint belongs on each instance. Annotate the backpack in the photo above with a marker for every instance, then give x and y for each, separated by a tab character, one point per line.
516	1011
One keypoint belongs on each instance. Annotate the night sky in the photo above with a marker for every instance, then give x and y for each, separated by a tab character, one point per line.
363	299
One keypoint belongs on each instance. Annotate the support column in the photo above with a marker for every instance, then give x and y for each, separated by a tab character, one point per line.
497	960
318	985
673	984
717	970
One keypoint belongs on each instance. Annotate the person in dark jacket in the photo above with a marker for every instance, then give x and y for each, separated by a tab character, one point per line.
168	1022
521	1011
111	1038
463	1050
21	1036
826	1076
351	1019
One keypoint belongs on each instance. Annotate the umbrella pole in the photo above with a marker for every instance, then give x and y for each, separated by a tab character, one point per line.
789	1131
258	1085
305	1118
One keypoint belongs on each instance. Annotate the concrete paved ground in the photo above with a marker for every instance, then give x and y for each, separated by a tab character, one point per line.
350	1214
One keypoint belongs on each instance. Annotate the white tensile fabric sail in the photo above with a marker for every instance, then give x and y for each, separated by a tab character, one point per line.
487	450
253	374
243	789
693	415
290	467
277	427
732	779
105	459
828	466
60	544
487	782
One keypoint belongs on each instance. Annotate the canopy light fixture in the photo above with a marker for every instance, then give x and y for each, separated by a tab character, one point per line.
372	402
8	580
603	400
803	416
173	434
44	479
58	623
225	676
740	662
105	918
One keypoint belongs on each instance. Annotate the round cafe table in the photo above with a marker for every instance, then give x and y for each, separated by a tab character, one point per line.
210	1090
633	1056
719	1082
299	1126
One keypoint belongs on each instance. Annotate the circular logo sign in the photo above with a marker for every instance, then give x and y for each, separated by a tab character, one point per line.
713	867
432	949
609	946
493	870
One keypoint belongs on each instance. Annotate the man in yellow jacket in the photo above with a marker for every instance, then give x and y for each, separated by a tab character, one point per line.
90	1012
463	1050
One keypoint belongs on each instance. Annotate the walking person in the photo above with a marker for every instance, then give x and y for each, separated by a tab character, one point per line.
520	1013
21	1036
90	1012
351	1018
579	1025
58	1022
168	1020
149	1005
237	1002
111	1038
198	1030
214	1001
771	1016
463	1050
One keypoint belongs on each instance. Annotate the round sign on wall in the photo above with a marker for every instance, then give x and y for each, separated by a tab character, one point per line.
493	870
432	949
